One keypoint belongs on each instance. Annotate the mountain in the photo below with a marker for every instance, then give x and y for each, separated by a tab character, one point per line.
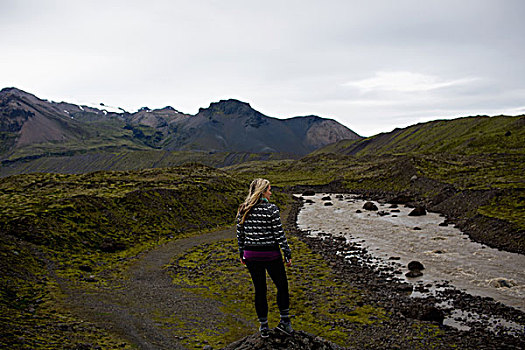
469	135
32	128
232	125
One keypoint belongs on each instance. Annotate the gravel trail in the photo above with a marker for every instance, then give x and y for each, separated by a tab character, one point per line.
141	305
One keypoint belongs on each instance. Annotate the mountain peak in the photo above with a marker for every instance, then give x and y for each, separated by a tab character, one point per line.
14	91
230	106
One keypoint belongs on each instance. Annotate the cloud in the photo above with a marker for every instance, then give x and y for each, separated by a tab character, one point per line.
405	82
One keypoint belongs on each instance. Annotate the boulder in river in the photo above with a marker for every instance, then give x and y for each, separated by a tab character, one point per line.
415	265
502	282
418	211
328	204
309	193
415	268
370	206
326	198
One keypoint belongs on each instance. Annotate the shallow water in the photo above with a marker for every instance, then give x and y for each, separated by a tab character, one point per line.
446	253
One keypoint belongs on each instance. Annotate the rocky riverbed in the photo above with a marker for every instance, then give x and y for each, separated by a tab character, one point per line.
381	286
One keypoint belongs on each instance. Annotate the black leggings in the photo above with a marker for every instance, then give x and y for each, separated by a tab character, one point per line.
277	273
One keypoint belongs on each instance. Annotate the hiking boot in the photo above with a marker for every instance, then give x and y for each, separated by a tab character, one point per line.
285	327
264	330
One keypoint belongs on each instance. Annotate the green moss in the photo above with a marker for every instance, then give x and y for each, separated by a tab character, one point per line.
320	301
510	208
51	224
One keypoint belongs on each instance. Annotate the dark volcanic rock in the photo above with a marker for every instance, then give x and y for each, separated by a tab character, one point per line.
425	313
418	211
415	265
370	206
298	341
328	204
85	268
326	198
414	274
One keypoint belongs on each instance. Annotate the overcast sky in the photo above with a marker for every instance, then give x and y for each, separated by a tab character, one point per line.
371	65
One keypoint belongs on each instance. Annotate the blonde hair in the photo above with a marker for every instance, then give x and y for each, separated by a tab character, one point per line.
257	188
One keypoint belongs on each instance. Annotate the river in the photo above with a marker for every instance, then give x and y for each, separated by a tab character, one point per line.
395	239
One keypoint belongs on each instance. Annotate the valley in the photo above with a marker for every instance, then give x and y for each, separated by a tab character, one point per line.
114	248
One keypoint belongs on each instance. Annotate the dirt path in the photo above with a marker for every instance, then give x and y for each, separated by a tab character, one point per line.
142	305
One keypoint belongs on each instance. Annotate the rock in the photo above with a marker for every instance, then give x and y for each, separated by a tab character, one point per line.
413	178
299	340
309	193
85	268
508	133
383	213
417	228
394	206
414	274
415	265
502	282
326	198
309	201
328	204
90	279
370	206
443	224
358	211
418	211
425	313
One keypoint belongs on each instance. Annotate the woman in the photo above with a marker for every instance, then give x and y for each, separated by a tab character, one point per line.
259	235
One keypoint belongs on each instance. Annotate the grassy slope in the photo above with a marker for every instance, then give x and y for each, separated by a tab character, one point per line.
125	159
52	224
471	135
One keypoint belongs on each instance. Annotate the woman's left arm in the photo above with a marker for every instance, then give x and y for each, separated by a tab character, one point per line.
278	231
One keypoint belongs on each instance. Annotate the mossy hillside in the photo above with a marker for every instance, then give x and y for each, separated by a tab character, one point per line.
466	136
322	303
84	161
55	223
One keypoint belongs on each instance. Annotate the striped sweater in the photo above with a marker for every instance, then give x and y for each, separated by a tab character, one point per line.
262	230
